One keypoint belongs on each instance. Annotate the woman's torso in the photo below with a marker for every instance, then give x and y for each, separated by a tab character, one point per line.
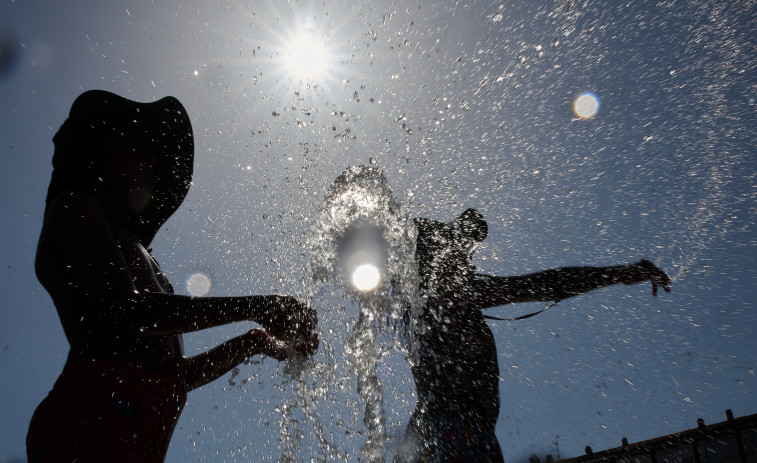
160	353
458	372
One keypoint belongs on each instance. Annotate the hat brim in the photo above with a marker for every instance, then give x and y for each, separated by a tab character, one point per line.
100	114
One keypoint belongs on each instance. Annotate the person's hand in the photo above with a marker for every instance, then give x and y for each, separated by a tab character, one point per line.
644	270
265	343
307	346
288	319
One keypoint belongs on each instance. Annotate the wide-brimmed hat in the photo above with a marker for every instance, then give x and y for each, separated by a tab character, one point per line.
99	118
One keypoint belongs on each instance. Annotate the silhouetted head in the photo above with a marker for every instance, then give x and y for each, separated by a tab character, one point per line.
444	251
142	152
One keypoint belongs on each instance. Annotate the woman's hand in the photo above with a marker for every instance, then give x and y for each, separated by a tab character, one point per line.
262	342
307	346
286	318
644	270
265	343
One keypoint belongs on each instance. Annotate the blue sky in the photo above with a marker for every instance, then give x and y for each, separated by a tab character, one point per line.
462	105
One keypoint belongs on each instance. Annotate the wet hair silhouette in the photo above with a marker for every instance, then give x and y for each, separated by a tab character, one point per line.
444	250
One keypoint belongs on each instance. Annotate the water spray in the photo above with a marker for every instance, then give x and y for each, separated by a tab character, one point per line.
365	287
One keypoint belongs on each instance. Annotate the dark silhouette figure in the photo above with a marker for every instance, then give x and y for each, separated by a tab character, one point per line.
458	373
121	169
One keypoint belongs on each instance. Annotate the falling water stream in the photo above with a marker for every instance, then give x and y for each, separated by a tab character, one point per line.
587	133
364	285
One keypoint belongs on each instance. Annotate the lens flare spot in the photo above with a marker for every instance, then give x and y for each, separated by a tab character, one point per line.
366	277
198	284
586	105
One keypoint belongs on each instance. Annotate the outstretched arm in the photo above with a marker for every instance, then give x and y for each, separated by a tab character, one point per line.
84	268
562	283
211	365
165	314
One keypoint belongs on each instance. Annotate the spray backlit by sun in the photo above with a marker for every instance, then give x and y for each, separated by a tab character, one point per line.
364	283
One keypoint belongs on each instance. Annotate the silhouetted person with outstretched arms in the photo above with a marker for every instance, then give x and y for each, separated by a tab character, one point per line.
121	169
457	374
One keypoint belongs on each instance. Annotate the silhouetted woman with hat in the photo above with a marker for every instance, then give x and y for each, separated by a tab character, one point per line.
121	169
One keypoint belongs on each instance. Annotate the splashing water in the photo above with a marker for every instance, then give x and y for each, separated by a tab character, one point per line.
360	228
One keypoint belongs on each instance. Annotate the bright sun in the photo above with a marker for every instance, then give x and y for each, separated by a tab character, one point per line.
366	277
305	57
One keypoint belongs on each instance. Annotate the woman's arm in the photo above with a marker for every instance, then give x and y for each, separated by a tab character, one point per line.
561	283
211	365
82	265
166	314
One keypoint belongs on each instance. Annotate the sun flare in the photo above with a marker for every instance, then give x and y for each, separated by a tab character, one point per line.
366	277
306	58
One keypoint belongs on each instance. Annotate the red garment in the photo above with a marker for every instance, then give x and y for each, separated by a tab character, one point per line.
105	411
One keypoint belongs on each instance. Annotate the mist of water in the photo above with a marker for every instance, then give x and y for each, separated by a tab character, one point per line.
365	334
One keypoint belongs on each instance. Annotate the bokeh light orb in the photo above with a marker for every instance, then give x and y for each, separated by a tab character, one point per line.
198	284
586	105
366	277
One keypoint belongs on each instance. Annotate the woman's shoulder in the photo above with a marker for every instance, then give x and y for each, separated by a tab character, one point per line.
74	222
77	211
73	201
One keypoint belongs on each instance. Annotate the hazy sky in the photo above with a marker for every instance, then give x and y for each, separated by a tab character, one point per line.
463	104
